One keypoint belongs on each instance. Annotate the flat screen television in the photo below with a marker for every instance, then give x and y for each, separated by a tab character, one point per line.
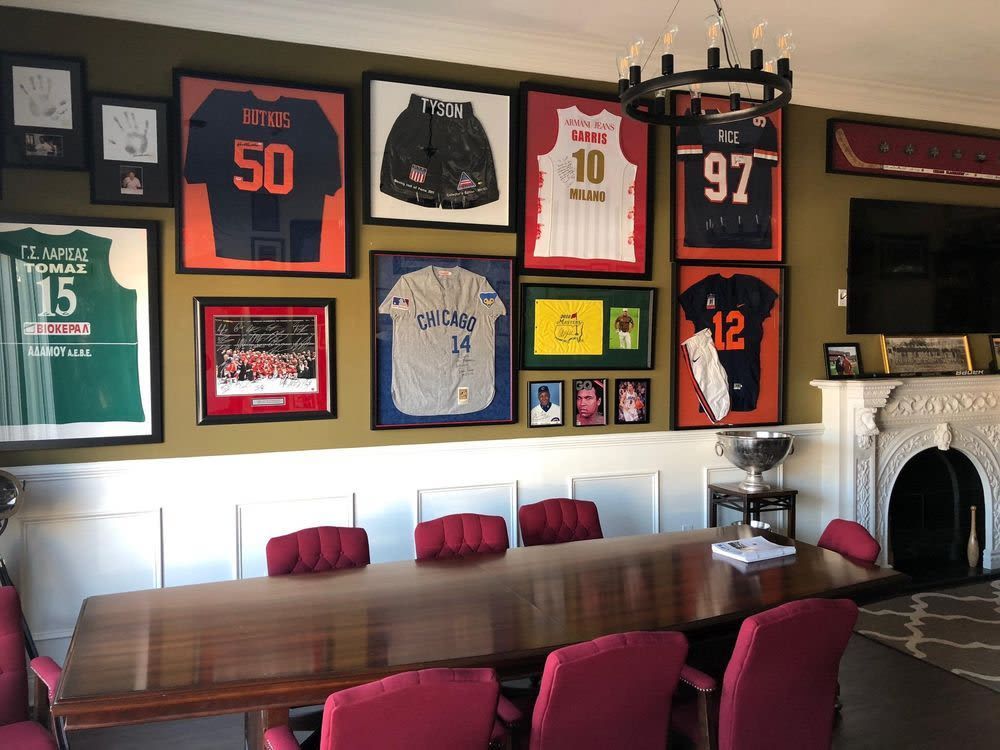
921	268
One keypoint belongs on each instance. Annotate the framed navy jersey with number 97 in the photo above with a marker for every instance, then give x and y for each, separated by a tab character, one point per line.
726	187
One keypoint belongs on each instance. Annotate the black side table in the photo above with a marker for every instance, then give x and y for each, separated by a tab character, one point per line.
751	503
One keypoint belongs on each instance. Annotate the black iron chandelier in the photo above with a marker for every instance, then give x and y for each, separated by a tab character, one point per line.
647	100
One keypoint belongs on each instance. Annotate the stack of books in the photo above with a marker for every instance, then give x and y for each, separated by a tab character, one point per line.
751	550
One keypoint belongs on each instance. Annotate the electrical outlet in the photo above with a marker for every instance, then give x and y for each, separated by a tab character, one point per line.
841	298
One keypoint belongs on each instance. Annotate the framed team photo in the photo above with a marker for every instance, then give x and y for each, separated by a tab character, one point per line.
545	403
130	159
263	177
79	332
44	125
442	344
583	165
632	400
590	402
926	355
438	154
264	359
842	360
728	345
995	350
726	187
580	327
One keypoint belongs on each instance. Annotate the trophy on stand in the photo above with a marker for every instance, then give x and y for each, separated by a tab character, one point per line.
12	490
754	451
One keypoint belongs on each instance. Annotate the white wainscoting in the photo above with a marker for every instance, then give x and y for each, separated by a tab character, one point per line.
88	529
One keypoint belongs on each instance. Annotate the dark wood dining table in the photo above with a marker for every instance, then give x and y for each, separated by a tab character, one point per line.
262	645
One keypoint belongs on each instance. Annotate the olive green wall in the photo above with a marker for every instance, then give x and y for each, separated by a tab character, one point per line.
131	58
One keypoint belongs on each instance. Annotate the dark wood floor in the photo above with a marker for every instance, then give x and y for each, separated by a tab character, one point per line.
890	701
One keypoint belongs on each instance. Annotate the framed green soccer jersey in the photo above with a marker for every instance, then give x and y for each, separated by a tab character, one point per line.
79	332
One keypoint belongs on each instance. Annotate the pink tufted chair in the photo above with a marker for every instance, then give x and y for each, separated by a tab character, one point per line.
317	549
559	520
460	535
851	540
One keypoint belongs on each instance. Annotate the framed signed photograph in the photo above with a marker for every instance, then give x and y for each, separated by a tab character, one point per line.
264	177
590	402
130	159
79	332
586	186
926	355
442	344
729	345
579	327
726	187
438	154
632	400
545	403
842	360
44	126
265	359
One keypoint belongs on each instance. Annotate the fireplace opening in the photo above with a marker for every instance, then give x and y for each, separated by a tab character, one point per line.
930	515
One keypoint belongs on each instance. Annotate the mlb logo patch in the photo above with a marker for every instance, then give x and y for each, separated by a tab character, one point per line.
400	303
488	298
465	182
710	302
418	174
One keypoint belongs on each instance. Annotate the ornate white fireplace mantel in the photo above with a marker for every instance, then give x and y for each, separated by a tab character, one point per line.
873	427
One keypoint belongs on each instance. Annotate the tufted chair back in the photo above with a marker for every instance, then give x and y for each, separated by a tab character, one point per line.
850	539
460	535
317	549
559	520
13	667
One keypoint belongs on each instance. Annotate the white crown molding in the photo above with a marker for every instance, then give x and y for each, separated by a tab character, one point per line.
427	36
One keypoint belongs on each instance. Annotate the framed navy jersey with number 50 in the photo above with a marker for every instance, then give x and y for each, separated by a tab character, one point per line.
726	187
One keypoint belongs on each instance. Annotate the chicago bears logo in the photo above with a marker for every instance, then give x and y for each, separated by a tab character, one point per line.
488	298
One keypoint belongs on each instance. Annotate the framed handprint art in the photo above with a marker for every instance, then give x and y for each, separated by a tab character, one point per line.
130	163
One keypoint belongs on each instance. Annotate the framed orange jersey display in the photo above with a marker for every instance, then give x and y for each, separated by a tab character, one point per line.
728	345
726	186
263	178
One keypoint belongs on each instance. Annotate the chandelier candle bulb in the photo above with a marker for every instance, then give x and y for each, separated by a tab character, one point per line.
621	62
635	61
713	33
667	59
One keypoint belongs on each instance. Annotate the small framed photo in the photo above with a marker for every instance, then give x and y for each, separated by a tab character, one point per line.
264	177
633	400
438	154
545	403
44	125
590	403
926	355
842	360
582	327
583	164
995	349
264	359
130	159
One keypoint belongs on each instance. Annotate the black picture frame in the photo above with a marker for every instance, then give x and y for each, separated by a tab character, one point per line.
995	350
266	385
335	255
842	361
44	119
67	357
542	418
632	406
387	272
600	388
499	215
121	144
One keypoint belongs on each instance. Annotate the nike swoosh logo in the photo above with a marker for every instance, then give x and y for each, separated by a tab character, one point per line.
742	304
695	359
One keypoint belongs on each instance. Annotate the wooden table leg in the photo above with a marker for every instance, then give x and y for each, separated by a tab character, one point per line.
746	511
791	517
713	511
257	722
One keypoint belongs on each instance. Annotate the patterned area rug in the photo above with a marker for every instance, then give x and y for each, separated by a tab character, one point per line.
956	629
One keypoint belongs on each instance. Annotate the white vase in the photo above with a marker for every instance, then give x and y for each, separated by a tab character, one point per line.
972	548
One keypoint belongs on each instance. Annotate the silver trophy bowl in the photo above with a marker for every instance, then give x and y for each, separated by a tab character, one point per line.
754	451
10	491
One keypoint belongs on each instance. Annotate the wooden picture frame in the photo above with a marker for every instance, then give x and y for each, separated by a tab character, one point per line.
44	120
842	360
442	340
568	327
726	187
551	413
582	161
926	355
265	359
729	358
443	185
590	402
632	400
264	180
82	330
131	159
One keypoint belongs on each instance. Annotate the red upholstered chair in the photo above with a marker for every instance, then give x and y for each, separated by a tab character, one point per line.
779	687
431	709
317	549
16	728
559	520
851	540
460	535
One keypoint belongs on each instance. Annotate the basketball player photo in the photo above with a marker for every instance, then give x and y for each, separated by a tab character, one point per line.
632	400
585	184
727	196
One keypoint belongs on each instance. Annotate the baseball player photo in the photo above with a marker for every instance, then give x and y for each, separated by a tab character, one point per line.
624	328
545	400
590	408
